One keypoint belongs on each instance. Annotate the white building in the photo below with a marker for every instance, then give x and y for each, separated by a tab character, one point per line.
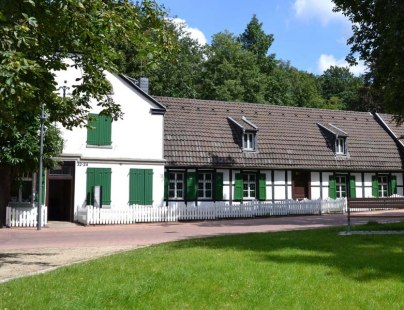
123	159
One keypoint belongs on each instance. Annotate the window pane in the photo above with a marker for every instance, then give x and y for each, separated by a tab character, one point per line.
208	176
179	176
208	185
208	194
252	194
179	185
200	186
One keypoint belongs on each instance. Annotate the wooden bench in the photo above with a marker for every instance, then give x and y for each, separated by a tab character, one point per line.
373	204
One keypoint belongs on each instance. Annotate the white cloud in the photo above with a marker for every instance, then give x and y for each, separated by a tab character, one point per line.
317	9
194	33
326	61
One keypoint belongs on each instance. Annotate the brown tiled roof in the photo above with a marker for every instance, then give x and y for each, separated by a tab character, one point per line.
396	130
198	133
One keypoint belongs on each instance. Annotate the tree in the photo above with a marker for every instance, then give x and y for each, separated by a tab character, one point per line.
176	72
231	73
378	34
340	88
255	40
36	38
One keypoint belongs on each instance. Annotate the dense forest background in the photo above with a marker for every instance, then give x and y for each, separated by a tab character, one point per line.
242	68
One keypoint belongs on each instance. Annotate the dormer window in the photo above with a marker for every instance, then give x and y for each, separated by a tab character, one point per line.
246	132
336	137
340	148
249	141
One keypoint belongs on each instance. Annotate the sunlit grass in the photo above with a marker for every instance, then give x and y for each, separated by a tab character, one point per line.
313	269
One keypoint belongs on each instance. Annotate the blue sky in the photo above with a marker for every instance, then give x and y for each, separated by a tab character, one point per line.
306	32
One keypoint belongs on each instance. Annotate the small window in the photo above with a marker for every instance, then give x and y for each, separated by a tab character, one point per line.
249	186
340	147
176	185
21	189
249	141
205	185
383	185
340	186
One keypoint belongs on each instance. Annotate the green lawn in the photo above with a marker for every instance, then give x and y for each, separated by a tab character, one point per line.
313	269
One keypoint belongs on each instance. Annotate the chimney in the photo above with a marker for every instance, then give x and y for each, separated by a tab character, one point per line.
144	84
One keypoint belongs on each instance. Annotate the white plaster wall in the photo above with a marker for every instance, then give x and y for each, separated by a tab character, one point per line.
315	178
279	183
315	191
368	184
119	184
139	135
326	177
399	177
226	183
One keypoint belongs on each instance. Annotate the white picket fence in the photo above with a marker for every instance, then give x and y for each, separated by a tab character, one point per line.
90	215
25	216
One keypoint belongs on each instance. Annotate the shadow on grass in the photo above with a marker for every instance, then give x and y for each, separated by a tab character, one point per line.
358	257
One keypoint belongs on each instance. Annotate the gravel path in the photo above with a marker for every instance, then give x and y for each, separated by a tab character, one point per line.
24	262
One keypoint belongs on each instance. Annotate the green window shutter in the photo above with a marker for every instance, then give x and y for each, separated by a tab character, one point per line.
148	186
136	186
332	191
165	185
105	127
352	187
90	185
238	189
141	186
262	187
100	130
219	186
92	129
393	185
191	186
105	182
101	177
375	186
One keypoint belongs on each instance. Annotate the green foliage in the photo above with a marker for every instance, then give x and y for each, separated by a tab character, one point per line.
37	38
175	73
377	38
341	89
231	73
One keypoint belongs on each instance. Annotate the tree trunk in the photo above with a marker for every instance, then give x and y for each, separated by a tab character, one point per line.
5	193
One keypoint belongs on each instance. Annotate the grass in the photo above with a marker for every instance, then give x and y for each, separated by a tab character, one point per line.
313	269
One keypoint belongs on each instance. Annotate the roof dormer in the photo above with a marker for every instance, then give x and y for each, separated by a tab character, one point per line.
247	133
338	137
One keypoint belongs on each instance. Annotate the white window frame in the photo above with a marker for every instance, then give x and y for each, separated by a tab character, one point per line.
204	183
178	185
340	184
383	185
249	141
249	186
340	146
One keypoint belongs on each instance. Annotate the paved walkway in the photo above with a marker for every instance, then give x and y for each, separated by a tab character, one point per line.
25	251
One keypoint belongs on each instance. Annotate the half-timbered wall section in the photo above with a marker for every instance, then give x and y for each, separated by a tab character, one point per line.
230	151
